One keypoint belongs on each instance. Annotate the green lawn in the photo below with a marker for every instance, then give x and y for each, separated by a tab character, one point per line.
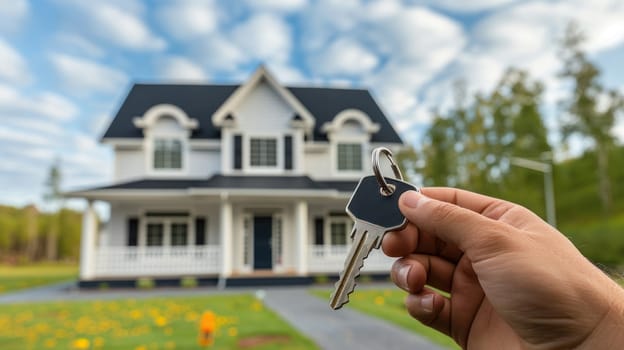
389	305
20	277
155	323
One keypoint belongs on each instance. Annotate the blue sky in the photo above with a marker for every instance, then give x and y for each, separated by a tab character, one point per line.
65	65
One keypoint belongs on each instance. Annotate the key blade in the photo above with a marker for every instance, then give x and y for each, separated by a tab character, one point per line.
365	237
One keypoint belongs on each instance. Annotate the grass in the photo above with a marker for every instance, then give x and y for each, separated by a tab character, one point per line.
389	305
14	278
156	323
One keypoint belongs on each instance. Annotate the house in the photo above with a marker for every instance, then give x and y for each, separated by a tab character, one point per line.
237	183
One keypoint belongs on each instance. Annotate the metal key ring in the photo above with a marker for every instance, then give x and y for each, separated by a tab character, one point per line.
386	189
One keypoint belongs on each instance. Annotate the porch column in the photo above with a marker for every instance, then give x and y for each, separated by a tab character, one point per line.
87	243
226	238
301	227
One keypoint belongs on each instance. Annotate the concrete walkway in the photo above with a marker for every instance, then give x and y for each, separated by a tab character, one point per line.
342	329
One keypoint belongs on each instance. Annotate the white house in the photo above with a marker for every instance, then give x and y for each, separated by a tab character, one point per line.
238	183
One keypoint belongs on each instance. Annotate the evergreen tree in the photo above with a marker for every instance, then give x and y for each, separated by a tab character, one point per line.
54	199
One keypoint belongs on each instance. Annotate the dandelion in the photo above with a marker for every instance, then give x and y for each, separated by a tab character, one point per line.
141	347
256	306
170	345
81	343
98	342
49	343
136	314
160	321
379	300
232	331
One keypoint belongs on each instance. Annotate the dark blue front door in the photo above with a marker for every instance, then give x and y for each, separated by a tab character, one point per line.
263	255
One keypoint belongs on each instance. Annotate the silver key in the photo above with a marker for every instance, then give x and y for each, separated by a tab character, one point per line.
375	211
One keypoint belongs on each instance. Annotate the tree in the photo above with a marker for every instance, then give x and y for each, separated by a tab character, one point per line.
53	197
591	109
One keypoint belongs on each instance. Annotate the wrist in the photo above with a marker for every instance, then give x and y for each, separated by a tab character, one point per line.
608	333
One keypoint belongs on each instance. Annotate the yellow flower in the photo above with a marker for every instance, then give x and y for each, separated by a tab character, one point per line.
49	343
160	321
141	347
98	342
136	314
170	345
81	343
232	331
256	306
379	300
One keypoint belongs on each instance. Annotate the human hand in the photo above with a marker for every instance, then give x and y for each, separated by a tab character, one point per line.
514	281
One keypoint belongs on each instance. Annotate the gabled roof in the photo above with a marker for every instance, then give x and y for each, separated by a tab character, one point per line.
202	101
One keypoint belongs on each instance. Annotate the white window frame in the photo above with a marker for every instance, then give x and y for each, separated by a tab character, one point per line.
149	146
279	149
168	141
166	221
334	142
327	234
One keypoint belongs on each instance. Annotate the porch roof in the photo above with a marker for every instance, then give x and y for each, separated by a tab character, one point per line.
217	184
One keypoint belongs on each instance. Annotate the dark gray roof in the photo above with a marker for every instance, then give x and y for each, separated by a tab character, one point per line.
234	182
201	101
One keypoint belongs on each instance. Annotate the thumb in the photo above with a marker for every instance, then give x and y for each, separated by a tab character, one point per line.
476	235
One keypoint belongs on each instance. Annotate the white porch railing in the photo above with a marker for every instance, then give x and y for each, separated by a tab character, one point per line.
330	259
157	261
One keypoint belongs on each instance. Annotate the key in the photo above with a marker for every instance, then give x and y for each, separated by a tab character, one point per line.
373	214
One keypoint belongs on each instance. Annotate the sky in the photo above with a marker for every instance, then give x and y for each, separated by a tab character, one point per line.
66	65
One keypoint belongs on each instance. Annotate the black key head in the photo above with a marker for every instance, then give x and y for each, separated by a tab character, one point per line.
369	204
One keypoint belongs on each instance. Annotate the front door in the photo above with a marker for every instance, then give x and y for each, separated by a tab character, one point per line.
263	254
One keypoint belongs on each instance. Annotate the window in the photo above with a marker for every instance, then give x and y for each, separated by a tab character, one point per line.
338	233
167	154
349	156
263	152
178	234
155	235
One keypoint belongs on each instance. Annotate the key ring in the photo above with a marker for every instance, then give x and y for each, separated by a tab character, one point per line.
385	188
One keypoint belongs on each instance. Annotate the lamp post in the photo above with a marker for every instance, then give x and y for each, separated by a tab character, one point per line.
549	193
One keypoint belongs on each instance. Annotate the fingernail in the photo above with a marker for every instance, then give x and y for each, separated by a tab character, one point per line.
412	199
402	274
426	302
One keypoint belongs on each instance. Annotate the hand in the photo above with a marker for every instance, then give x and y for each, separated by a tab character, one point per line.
514	281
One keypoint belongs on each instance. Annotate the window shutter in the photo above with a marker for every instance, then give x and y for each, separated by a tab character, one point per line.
318	231
200	231
288	154
238	152
133	232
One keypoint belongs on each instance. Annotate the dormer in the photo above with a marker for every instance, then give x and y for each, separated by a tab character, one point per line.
349	134
166	133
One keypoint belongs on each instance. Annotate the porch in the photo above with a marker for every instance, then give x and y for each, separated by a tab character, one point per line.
207	260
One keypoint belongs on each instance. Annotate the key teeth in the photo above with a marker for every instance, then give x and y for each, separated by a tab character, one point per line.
347	292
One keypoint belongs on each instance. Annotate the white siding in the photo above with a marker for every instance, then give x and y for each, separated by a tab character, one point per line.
204	163
263	110
129	164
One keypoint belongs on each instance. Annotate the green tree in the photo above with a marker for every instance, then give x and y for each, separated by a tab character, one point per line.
54	199
591	109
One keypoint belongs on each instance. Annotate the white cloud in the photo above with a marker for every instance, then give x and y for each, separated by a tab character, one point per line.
115	22
277	5
345	56
13	135
188	19
179	68
286	74
78	43
86	76
468	6
43	104
13	67
12	14
218	53
265	37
